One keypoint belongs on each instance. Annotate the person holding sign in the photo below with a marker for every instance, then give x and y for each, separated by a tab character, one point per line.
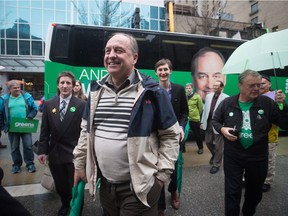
20	105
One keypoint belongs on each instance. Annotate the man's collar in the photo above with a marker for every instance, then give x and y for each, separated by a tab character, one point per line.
65	99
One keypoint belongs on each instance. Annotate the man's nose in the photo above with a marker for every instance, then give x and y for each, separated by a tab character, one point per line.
210	83
112	54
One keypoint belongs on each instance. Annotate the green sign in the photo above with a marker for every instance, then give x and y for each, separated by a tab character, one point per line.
22	125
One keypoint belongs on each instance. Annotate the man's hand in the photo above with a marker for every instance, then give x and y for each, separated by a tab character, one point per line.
280	97
182	134
226	131
42	158
79	174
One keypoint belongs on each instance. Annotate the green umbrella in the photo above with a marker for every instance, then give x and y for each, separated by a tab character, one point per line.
181	161
269	51
76	202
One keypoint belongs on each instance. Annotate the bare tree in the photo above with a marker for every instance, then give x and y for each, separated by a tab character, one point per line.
107	14
206	15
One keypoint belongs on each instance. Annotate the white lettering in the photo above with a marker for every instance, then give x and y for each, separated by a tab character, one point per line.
86	77
246	135
25	125
86	91
92	75
84	74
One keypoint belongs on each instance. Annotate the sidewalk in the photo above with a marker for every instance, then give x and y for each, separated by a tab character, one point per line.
202	193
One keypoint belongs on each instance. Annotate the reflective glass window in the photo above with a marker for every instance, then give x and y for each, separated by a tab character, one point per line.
145	12
11	2
24	31
2	32
48	16
36	3
254	7
60	16
24	47
23	3
37	48
24	14
154	12
45	29
36	16
94	19
12	11
2	46
36	32
48	4
254	20
83	5
1	15
12	32
60	5
11	47
154	25
162	25
162	13
144	24
83	18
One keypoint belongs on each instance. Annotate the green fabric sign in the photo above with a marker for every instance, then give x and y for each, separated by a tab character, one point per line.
22	125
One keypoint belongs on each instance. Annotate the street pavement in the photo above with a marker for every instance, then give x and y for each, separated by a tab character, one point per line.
202	193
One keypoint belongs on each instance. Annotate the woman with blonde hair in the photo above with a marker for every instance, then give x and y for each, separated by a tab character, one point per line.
78	91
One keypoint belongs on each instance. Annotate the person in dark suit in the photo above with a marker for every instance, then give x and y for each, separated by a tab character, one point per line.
59	135
163	69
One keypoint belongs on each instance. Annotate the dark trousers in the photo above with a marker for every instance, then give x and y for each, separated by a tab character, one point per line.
215	144
120	200
254	173
195	128
172	187
63	175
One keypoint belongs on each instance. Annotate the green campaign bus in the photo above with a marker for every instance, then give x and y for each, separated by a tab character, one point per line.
80	49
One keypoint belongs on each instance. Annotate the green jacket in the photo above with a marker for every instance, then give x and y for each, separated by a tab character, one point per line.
195	107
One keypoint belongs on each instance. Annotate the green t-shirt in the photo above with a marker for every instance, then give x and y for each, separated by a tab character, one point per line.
17	107
245	136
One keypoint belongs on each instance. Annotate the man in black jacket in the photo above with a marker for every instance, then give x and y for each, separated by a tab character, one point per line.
60	130
245	120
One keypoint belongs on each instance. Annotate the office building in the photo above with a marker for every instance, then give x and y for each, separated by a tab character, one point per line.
24	24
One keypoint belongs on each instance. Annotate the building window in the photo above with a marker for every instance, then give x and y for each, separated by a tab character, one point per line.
275	29
254	20
154	12
254	8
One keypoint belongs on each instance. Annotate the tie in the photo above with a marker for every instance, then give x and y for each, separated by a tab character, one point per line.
62	110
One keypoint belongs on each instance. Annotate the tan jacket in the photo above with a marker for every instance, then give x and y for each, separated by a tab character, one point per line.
149	156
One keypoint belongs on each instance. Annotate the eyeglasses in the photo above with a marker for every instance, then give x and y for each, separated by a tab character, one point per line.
254	86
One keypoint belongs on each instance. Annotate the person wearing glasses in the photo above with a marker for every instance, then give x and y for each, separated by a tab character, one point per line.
245	120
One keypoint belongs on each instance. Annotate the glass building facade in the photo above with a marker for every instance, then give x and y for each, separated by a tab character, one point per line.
24	24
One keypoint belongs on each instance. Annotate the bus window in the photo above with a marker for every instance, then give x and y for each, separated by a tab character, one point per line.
61	43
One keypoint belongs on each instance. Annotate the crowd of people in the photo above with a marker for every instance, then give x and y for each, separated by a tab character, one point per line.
129	131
